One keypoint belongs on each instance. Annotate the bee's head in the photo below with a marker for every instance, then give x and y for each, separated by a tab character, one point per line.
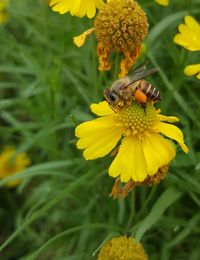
111	97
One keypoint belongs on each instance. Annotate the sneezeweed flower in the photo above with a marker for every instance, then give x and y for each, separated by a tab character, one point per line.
3	11
11	164
120	26
122	248
78	8
143	150
163	2
189	38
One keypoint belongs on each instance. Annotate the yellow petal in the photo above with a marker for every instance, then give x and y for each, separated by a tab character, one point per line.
174	133
163	2
191	70
60	6
101	109
192	24
170	119
158	151
79	8
130	161
90	8
98	137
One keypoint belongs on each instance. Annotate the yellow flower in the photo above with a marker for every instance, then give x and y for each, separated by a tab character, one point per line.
122	248
3	11
163	2
191	70
120	26
143	148
11	164
78	8
189	38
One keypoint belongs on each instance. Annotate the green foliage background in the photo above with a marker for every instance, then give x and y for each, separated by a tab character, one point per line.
62	209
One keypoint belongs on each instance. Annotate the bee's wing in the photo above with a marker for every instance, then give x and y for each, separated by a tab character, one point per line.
141	72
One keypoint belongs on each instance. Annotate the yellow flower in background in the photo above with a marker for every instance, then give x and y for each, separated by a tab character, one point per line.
143	148
78	8
122	248
189	38
3	11
120	26
11	164
191	70
163	2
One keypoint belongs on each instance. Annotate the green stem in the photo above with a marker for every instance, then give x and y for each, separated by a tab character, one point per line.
147	201
132	213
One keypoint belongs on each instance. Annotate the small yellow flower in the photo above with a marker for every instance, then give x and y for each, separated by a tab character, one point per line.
120	26
10	165
163	2
143	148
3	11
78	8
122	248
189	38
191	70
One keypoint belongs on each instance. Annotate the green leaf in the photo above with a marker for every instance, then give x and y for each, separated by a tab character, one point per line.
168	197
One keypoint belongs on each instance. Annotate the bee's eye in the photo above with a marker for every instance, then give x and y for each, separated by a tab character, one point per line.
112	97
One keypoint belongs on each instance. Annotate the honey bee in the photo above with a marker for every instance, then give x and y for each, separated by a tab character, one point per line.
124	90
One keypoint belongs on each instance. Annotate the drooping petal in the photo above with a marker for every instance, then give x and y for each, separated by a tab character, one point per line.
101	109
191	70
174	133
130	162
98	137
79	40
158	152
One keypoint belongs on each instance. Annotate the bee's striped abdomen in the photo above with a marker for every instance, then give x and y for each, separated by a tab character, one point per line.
150	91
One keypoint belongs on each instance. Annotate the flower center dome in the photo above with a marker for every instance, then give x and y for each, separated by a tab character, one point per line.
137	119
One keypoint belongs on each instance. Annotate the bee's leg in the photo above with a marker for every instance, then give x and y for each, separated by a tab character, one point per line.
144	106
112	108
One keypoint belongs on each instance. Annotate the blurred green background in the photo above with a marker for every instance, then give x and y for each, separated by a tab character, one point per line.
62	209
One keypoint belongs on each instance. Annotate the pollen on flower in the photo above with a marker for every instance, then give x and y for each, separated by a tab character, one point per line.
122	248
136	118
